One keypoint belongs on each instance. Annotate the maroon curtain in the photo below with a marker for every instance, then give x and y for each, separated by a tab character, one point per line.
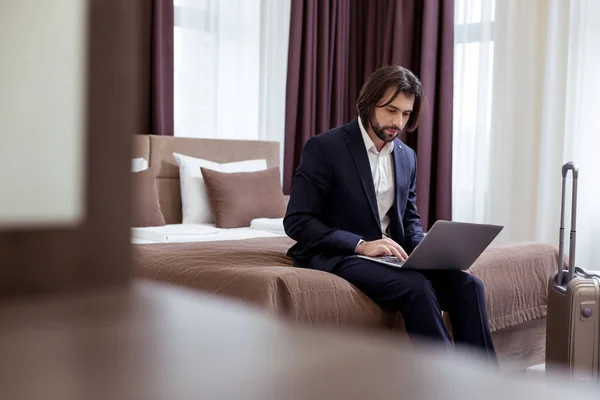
317	95
336	44
157	81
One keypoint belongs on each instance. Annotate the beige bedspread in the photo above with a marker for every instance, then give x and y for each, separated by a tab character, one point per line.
257	271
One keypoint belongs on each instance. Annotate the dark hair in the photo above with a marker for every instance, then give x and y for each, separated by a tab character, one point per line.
380	82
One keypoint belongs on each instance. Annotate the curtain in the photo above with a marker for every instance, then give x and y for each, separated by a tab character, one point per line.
318	83
543	104
216	68
230	68
157	80
335	45
473	67
581	127
521	57
274	36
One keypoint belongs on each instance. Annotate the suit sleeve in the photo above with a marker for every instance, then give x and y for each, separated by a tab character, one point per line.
413	231
308	197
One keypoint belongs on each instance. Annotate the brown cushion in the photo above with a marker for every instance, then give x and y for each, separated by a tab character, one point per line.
237	198
145	208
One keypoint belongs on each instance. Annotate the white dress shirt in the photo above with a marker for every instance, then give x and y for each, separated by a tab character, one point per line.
382	170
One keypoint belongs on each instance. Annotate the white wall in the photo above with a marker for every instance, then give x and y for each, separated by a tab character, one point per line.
41	112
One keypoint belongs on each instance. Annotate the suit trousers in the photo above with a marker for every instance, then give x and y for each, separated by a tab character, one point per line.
421	296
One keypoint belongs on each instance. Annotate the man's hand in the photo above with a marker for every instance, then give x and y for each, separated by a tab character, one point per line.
382	247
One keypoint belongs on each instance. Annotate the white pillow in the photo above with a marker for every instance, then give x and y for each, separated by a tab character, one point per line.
139	164
272	225
194	198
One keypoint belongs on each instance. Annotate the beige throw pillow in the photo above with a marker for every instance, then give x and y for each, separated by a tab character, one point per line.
238	198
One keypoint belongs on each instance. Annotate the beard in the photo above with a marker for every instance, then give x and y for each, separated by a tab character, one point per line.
381	131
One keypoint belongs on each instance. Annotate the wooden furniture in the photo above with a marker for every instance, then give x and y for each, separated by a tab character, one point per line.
38	261
150	341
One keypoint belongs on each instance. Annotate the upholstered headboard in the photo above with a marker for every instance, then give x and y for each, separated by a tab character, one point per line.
160	151
141	147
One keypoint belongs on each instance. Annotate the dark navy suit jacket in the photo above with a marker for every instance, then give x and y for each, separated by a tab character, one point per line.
333	203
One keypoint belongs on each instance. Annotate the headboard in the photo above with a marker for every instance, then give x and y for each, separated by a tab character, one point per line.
141	147
161	160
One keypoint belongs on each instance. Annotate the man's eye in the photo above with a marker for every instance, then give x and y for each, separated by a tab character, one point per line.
391	110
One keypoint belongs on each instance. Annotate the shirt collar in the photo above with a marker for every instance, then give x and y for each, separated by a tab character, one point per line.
369	145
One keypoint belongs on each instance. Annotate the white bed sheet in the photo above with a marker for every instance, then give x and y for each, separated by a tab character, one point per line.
183	233
173	232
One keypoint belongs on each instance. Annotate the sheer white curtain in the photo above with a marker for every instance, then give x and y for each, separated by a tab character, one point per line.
473	66
274	34
230	68
545	87
582	132
523	77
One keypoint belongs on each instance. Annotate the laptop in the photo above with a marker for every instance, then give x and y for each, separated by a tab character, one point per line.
447	245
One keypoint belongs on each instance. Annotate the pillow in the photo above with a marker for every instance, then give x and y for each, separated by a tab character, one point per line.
139	164
195	207
145	205
238	198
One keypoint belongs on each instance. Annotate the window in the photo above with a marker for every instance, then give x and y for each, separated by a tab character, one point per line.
473	68
217	58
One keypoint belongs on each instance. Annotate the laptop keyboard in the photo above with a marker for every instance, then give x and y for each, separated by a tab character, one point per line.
392	260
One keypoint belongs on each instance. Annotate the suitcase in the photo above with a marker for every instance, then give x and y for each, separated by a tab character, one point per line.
572	324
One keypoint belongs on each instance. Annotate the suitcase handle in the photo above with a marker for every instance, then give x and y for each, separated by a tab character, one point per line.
572	236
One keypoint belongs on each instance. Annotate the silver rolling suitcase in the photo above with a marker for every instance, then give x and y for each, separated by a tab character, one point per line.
572	326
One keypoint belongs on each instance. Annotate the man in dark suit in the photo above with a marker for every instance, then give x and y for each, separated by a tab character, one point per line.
354	193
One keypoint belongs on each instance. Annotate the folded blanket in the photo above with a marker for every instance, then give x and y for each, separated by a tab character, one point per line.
273	225
173	233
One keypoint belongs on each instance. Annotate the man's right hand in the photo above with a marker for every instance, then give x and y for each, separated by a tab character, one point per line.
382	247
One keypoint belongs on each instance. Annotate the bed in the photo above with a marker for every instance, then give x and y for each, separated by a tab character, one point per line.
250	265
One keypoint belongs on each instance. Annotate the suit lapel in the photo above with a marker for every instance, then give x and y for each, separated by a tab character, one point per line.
358	151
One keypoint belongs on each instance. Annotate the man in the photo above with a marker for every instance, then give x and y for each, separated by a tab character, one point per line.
354	193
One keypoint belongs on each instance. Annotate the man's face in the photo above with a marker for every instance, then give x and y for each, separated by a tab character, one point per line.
387	122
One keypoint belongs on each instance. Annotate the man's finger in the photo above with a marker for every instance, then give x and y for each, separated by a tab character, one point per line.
385	250
399	248
397	253
392	243
404	253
